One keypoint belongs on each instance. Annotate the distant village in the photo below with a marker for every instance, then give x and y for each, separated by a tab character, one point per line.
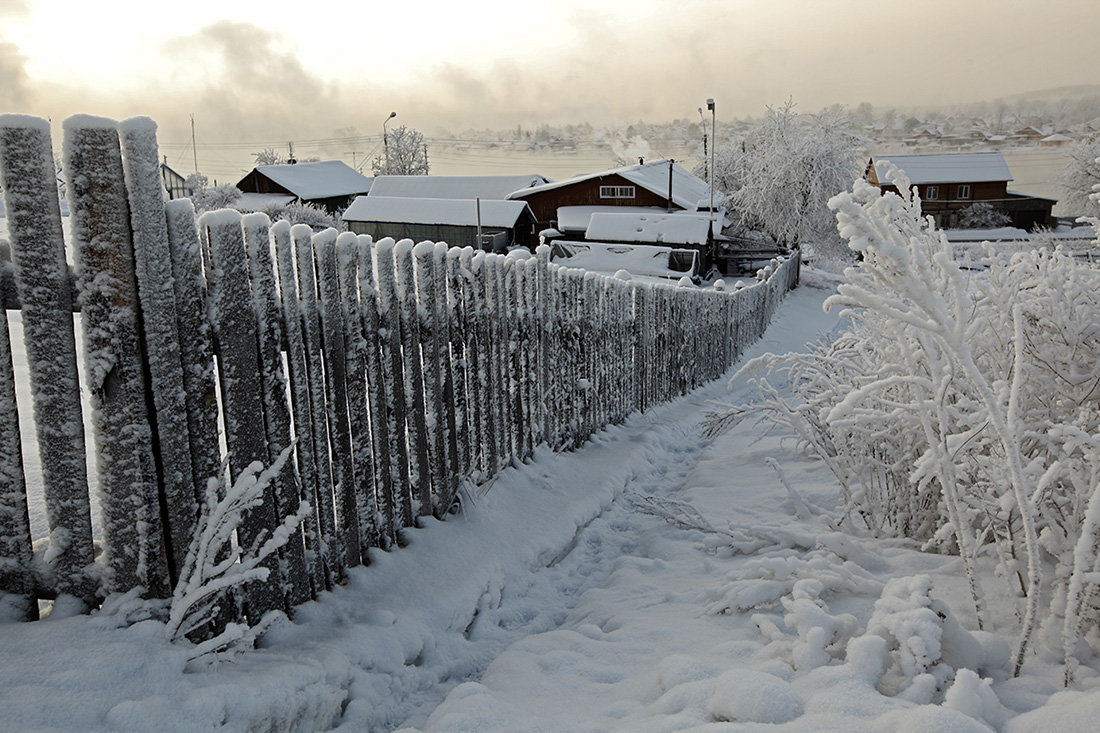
656	217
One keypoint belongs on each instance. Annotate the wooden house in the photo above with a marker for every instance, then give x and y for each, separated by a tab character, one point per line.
947	183
658	185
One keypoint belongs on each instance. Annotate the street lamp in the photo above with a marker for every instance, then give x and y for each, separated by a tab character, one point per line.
386	140
713	145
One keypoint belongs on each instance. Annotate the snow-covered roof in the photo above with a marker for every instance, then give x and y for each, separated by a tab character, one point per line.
946	167
320	180
453	187
637	259
1056	138
687	189
649	227
455	212
576	218
257	201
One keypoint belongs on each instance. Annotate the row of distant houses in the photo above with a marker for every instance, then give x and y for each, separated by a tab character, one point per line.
658	205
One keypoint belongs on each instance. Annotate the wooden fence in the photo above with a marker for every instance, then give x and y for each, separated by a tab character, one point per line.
400	371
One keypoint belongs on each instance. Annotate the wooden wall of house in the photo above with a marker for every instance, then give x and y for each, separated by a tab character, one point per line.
586	193
255	182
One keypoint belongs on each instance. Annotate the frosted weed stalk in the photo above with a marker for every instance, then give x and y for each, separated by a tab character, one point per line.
215	563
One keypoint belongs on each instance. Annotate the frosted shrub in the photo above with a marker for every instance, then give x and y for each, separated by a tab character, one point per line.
215	564
960	409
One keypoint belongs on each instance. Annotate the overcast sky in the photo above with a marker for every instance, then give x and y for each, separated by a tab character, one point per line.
272	70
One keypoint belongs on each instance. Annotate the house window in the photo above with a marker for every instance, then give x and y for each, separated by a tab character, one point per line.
931	193
964	192
616	192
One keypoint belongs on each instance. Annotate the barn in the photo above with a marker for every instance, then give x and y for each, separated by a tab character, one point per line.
331	184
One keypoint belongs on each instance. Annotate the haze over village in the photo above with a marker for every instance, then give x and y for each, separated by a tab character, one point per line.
586	367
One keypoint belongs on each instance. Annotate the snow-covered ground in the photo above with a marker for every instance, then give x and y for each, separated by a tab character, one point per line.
560	602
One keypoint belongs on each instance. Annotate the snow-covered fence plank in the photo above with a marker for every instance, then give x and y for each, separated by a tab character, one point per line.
381	521
239	370
15	528
277	421
113	356
301	409
324	500
42	281
355	350
431	301
413	369
444	318
457	264
153	270
399	505
345	501
481	381
543	312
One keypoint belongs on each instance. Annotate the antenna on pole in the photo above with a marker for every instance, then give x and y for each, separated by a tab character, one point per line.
194	150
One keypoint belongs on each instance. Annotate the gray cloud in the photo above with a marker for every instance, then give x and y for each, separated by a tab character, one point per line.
15	91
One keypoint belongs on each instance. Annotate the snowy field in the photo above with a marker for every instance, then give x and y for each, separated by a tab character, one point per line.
559	602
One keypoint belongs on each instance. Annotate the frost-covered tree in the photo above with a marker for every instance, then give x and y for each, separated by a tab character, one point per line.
210	198
268	156
405	154
981	215
1081	173
785	171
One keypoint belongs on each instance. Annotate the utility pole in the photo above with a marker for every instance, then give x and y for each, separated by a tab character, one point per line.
353	153
713	145
706	162
290	147
194	150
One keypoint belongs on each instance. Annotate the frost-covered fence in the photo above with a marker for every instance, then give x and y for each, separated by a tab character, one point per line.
396	372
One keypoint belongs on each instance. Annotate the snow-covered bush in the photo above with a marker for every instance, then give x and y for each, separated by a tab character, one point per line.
210	198
311	215
961	409
215	564
981	215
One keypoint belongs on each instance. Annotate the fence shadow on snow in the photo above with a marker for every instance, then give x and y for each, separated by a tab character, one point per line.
399	371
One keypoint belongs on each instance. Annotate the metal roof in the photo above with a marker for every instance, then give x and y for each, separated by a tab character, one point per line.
320	180
453	187
455	212
946	167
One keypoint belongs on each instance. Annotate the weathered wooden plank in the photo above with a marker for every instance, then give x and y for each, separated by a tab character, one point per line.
399	505
416	418
113	358
355	349
346	502
239	370
325	506
301	408
42	278
429	327
257	240
445	318
161	337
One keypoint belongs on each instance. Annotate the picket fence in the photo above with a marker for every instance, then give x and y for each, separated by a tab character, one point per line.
399	372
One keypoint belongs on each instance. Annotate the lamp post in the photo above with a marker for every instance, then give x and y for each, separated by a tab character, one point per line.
713	145
386	140
706	159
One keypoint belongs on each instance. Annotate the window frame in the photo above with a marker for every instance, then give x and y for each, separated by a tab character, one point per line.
931	193
964	191
618	192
